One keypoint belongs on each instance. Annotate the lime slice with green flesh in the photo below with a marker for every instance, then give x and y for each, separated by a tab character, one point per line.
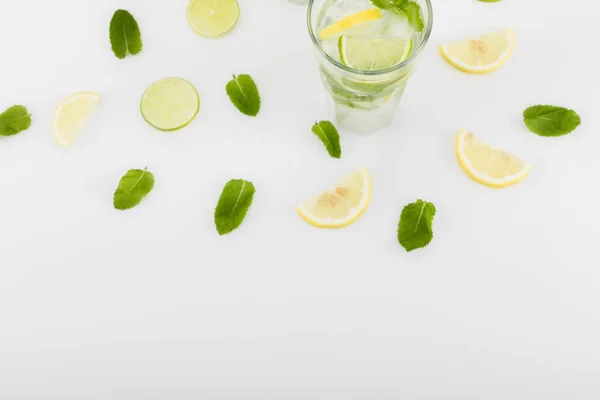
212	17
368	53
170	104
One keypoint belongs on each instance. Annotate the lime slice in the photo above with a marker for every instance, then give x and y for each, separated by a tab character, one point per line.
212	17
369	53
170	104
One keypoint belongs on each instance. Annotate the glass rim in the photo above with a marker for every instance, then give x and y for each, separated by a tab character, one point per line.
338	64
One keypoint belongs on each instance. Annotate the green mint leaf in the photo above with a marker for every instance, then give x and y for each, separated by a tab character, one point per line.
233	205
14	120
411	9
414	229
387	4
244	94
551	120
329	136
413	13
133	187
125	36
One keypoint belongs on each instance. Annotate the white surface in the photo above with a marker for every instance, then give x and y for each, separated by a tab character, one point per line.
153	304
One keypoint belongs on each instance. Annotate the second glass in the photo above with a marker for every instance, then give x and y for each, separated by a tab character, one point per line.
355	46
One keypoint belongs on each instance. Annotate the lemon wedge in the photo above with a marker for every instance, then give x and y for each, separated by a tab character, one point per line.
490	167
340	206
482	54
348	22
71	116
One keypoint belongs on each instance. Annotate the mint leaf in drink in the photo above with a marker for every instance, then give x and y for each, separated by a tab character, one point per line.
413	13
244	94
386	4
125	36
551	120
329	136
414	229
14	120
233	205
411	9
133	187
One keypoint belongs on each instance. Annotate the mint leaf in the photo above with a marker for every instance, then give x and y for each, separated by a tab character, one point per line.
133	187
551	120
125	36
413	13
14	120
244	94
233	205
414	229
329	136
411	9
387	4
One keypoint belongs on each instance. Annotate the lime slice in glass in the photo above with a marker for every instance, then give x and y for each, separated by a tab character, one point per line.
170	104
373	53
212	17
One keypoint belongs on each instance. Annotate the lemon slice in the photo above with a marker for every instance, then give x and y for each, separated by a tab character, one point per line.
212	17
488	166
348	22
480	55
340	206
71	115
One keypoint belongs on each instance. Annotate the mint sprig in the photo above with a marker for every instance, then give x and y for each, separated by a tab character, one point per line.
243	93
330	137
233	205
14	120
133	187
415	226
409	8
125	36
546	120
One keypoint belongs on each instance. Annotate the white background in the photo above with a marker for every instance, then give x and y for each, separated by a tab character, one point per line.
152	304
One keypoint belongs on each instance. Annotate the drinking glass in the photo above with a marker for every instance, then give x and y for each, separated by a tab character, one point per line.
363	101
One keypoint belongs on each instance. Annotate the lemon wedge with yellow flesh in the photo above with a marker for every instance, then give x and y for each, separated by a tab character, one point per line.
486	165
71	116
348	22
480	55
340	206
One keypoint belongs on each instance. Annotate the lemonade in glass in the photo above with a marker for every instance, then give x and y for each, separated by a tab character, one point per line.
366	56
